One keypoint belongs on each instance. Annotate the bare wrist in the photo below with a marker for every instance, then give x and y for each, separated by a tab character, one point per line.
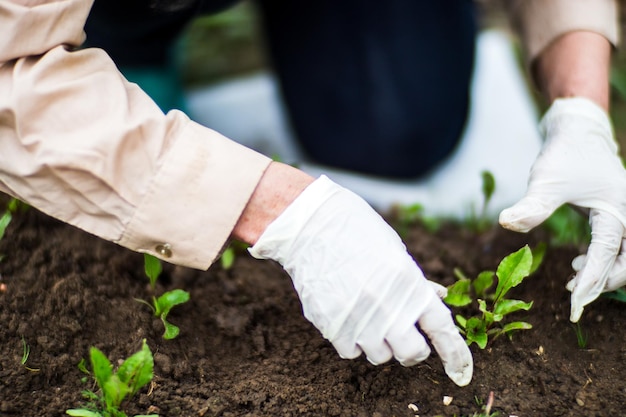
280	185
577	64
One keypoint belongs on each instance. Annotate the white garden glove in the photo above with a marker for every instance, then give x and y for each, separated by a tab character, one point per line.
579	164
357	283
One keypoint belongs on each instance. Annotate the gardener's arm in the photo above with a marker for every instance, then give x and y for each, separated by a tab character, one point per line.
569	55
83	145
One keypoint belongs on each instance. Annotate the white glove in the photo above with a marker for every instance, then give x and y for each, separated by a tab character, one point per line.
579	164
357	283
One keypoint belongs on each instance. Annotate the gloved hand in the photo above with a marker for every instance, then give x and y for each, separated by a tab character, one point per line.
579	164
357	283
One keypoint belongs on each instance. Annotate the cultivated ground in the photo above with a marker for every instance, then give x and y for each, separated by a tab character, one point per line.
245	349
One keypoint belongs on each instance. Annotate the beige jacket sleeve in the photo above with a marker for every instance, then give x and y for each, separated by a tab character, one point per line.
80	143
539	22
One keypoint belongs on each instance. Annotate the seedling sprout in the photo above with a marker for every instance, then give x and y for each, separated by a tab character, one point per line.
26	355
115	387
511	272
162	305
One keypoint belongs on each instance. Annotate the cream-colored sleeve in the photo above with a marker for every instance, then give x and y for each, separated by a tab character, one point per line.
80	143
539	22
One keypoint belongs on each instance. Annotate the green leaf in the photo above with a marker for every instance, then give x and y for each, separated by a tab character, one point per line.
167	300
137	370
171	331
228	258
512	270
102	368
476	332
461	320
152	267
82	366
489	185
538	253
505	307
516	325
458	294
4	222
483	281
164	304
80	412
114	391
619	295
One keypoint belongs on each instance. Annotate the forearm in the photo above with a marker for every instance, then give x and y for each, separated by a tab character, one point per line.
278	187
576	64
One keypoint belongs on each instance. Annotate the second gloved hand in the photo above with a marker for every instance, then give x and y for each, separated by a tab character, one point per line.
357	283
579	164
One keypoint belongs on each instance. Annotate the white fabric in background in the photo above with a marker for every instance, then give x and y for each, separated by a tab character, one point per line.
501	136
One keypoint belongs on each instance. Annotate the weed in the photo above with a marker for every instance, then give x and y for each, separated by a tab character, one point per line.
153	268
480	222
405	216
162	305
229	254
12	207
486	408
581	335
510	272
567	225
115	387
26	355
619	295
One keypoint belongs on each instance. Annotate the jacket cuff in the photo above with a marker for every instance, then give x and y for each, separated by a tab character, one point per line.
195	199
540	22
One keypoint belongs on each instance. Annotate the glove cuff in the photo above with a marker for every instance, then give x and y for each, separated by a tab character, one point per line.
276	241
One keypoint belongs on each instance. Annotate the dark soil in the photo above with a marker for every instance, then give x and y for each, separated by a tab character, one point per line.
245	349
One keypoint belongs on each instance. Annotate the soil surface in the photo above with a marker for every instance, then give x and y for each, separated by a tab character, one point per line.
246	350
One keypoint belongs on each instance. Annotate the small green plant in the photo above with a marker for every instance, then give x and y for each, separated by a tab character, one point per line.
235	247
494	306
480	221
115	387
12	207
152	268
405	216
162	305
581	335
486	408
568	225
26	355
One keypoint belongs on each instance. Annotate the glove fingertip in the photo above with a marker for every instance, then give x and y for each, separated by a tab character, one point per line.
440	290
461	376
575	314
524	216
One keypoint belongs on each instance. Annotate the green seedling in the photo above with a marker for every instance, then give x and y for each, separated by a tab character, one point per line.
162	305
26	355
567	226
227	260
619	295
581	335
494	306
405	216
153	268
115	387
486	408
480	222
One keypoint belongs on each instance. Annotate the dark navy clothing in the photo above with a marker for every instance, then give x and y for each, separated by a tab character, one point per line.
140	33
374	87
